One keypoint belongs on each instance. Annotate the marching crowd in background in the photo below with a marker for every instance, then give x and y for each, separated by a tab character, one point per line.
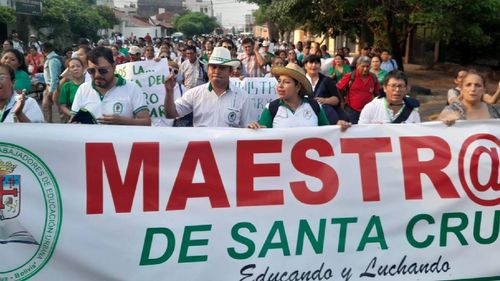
81	81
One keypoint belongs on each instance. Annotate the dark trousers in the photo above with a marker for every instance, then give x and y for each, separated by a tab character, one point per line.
352	114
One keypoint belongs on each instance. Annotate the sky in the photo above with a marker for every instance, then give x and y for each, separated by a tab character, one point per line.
233	12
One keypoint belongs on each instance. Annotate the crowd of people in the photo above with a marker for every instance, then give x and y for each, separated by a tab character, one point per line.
81	81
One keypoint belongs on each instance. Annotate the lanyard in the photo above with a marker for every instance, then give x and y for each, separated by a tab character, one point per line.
389	112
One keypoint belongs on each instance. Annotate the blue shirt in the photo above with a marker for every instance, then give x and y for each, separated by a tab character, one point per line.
389	65
51	70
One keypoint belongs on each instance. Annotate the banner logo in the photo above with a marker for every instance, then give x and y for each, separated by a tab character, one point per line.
28	235
10	196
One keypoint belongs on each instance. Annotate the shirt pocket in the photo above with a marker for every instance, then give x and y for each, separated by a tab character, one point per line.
232	117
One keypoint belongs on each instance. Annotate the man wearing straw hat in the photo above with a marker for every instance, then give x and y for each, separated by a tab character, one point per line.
214	104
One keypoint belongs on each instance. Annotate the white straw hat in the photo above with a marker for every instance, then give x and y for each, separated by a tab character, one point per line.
222	56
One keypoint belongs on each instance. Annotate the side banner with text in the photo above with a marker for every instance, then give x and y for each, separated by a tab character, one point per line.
260	91
149	76
379	202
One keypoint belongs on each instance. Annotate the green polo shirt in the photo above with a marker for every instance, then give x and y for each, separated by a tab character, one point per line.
68	91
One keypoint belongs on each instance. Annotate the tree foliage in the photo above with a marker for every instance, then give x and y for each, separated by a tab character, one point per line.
195	24
7	15
67	20
468	23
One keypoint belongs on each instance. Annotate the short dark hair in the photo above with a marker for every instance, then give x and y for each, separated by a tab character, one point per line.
247	40
86	48
20	57
312	58
47	47
398	75
10	70
73	59
190	47
101	52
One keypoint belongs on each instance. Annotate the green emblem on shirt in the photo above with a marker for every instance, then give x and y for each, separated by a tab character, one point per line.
231	117
118	108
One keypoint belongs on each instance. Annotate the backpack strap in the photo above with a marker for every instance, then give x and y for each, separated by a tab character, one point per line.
314	105
273	107
375	82
348	88
410	104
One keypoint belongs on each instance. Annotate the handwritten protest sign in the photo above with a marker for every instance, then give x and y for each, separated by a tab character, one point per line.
149	76
260	91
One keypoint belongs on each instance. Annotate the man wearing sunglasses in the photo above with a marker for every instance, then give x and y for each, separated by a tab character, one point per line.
110	98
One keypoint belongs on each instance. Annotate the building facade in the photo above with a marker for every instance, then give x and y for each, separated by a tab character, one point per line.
148	8
202	6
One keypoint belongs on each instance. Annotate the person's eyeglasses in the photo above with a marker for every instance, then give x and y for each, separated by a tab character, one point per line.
396	86
102	71
174	70
228	47
4	78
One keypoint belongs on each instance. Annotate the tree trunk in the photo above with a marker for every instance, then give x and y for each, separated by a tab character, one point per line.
397	52
273	31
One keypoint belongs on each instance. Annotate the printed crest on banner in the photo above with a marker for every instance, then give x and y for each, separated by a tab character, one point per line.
10	195
28	235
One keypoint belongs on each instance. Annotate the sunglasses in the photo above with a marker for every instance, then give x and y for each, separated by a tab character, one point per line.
102	71
228	47
174	70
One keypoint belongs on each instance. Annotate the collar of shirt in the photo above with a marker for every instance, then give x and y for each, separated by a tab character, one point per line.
310	81
10	104
211	88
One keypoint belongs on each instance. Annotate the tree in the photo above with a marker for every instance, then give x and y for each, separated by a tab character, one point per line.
67	20
7	15
474	24
195	24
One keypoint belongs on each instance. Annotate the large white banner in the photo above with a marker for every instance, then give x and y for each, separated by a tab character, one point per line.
379	202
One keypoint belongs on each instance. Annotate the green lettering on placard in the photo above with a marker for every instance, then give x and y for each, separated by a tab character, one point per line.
250	245
138	83
161	110
378	238
153	112
153	98
409	231
343	230
457	230
137	69
148	241
277	228
494	231
316	243
188	242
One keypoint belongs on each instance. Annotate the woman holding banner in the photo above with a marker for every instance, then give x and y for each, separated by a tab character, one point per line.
293	108
471	105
